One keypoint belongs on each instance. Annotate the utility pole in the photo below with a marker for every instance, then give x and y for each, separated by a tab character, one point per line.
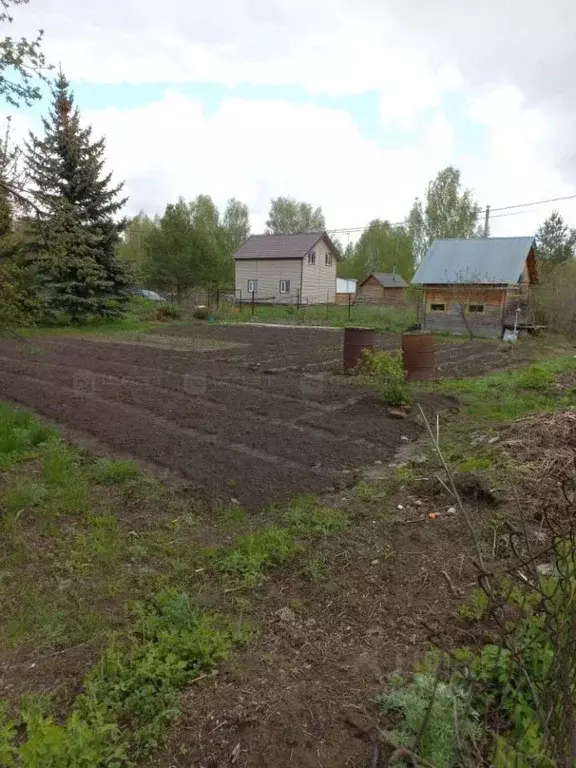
487	222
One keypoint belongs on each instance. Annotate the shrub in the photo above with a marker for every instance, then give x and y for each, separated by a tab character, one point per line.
165	314
450	711
18	304
536	376
379	363
387	372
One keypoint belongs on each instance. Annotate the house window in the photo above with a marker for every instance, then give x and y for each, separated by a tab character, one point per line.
437	307
328	259
475	307
284	286
252	286
312	257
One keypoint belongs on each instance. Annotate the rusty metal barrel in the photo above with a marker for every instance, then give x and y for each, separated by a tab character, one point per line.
419	357
356	340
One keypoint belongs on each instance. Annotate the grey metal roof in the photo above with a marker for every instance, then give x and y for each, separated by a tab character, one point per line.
491	260
280	246
387	279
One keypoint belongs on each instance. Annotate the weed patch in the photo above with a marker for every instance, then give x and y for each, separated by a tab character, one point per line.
249	556
306	517
509	395
451	710
131	695
112	471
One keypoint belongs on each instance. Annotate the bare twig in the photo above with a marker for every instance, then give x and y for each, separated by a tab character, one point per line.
436	445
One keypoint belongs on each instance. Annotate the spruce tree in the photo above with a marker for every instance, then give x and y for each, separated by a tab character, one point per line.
79	235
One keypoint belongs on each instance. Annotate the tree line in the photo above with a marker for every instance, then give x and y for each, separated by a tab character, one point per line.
66	250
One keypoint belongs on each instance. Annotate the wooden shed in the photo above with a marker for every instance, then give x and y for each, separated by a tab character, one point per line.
477	286
387	288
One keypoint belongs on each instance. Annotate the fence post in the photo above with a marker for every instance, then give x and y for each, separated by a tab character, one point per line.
253	294
327	302
349	306
240	306
298	299
217	298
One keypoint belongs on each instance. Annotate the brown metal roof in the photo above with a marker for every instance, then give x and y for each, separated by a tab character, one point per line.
387	279
281	246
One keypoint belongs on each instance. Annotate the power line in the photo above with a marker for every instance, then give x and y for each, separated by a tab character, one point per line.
538	202
482	211
350	230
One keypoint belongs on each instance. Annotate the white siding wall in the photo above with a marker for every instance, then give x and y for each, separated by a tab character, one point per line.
268	273
318	280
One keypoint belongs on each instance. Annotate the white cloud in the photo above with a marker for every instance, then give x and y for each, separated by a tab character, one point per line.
515	68
519	169
258	149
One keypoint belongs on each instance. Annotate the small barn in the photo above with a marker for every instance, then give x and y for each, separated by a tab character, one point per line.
388	288
477	286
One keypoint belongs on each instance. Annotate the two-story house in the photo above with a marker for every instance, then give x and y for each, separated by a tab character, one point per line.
287	269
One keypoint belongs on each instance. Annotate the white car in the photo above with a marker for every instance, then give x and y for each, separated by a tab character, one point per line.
151	295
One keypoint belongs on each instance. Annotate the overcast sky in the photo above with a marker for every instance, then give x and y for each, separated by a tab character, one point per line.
351	104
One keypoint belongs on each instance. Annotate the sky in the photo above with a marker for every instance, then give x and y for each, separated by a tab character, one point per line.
354	105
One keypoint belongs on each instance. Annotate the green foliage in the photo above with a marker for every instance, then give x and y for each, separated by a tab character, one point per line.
78	233
132	248
447	211
383	247
236	223
130	697
287	216
508	395
18	304
314	569
387	372
383	319
378	363
522	678
112	471
555	243
22	63
475	464
177	254
368	492
556	298
306	516
450	711
475	606
249	556
536	376
20	435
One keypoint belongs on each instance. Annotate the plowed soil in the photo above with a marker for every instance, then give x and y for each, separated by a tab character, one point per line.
245	413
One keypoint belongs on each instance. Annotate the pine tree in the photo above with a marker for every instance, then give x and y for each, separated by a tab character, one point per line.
79	234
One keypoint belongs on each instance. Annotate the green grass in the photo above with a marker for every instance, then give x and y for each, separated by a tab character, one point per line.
511	394
80	540
139	318
380	318
248	558
112	471
130	697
